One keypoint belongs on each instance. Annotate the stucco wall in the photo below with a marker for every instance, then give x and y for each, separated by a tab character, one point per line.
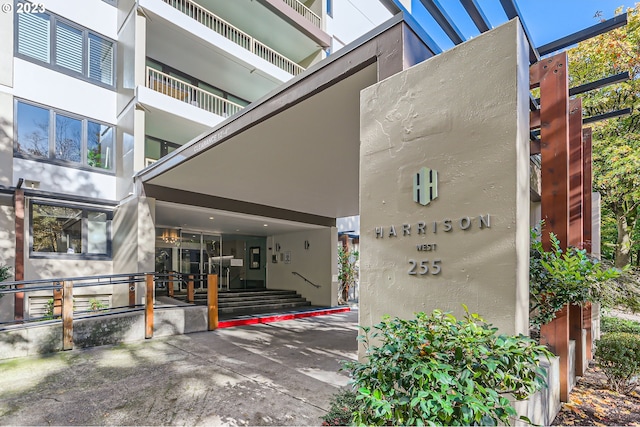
318	264
464	114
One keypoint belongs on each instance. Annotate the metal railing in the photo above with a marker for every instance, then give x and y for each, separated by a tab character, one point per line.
175	88
62	303
295	273
239	37
305	12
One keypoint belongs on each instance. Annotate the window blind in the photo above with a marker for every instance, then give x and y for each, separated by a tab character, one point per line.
100	59
69	47
33	35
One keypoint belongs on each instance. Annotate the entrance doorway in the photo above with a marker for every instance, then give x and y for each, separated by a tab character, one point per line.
238	261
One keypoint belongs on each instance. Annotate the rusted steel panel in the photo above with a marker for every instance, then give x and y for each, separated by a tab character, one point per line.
534	120
535	72
190	290
18	271
587	188
555	334
132	291
57	301
586	322
554	147
212	301
67	315
576	163
575	333
148	309
170	285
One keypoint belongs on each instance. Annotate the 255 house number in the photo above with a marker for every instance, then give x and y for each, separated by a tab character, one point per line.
421	268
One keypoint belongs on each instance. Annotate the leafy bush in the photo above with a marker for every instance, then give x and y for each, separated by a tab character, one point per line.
618	355
615	324
96	305
343	405
5	273
558	277
438	370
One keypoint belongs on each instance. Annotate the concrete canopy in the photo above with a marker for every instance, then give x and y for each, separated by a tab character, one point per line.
294	154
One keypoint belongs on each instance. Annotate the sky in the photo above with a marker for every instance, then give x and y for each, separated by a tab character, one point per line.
546	20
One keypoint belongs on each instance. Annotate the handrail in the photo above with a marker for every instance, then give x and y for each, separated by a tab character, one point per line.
304	11
176	88
236	35
295	273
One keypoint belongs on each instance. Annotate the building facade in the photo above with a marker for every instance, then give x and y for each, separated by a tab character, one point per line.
92	92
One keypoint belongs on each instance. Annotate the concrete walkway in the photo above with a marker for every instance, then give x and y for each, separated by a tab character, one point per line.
271	374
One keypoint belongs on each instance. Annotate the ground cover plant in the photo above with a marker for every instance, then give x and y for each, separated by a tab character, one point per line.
437	370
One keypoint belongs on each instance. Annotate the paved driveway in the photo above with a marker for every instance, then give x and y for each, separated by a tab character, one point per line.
272	374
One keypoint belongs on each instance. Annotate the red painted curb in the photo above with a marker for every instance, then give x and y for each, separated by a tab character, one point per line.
280	317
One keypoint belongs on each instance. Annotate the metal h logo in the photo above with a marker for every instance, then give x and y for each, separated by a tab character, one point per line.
425	186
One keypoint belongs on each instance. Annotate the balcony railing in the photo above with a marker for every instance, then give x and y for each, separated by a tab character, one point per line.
239	37
304	11
164	83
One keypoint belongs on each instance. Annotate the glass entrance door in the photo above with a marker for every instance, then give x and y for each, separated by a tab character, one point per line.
200	255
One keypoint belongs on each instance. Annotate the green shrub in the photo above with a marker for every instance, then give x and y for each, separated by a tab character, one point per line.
343	405
618	355
615	324
558	277
438	370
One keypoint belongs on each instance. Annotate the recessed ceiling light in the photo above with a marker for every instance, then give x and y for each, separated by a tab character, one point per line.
266	225
237	229
210	217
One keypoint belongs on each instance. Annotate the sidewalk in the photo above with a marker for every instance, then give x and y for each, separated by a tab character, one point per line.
269	374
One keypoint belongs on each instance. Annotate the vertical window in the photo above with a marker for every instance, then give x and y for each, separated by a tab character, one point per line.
56	229
70	230
97	233
69	47
330	8
99	145
32	130
100	59
33	35
68	142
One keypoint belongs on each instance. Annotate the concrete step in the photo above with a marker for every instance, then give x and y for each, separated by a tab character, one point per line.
254	303
274	307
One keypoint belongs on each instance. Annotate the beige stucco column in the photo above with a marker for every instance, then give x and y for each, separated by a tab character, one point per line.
444	185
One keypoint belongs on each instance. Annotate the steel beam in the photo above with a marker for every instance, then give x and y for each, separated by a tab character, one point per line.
587	33
599	83
511	9
445	22
477	16
608	115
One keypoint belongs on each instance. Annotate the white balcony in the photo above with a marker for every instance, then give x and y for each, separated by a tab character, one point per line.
177	89
305	12
237	36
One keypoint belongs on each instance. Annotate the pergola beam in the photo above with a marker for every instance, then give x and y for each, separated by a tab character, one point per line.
577	37
617	78
511	9
608	115
445	22
477	16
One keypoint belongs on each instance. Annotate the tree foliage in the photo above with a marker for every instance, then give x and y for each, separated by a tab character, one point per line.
616	142
347	272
